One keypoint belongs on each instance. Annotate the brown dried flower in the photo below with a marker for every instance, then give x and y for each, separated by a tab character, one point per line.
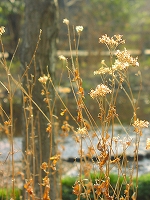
103	188
112	42
65	128
66	21
29	187
77	188
125	59
44	166
140	124
101	90
91	152
148	143
54	160
102	70
2	30
49	128
79	29
61	57
43	79
46	181
82	131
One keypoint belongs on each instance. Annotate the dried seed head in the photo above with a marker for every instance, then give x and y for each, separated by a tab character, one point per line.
126	141
43	79
44	166
123	61
91	152
46	181
79	29
66	21
2	30
126	59
42	92
112	42
82	131
103	70
77	188
141	124
49	128
65	128
101	90
116	139
148	143
54	160
61	57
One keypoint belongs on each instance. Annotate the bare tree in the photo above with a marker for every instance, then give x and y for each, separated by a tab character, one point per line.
39	15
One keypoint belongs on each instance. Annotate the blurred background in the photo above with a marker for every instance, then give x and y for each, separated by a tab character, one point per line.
130	18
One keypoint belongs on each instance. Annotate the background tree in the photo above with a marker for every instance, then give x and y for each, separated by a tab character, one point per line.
98	17
39	15
11	15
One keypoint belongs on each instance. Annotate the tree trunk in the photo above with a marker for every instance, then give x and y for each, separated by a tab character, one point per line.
39	15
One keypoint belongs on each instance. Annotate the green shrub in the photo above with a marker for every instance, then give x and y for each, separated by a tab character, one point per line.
7	193
67	184
143	186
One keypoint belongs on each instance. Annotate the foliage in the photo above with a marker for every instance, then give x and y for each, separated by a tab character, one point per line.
143	187
67	183
11	15
104	13
6	194
11	6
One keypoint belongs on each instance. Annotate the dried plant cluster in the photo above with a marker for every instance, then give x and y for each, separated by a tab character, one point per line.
99	159
113	78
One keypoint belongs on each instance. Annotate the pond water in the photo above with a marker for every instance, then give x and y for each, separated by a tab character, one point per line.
70	148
